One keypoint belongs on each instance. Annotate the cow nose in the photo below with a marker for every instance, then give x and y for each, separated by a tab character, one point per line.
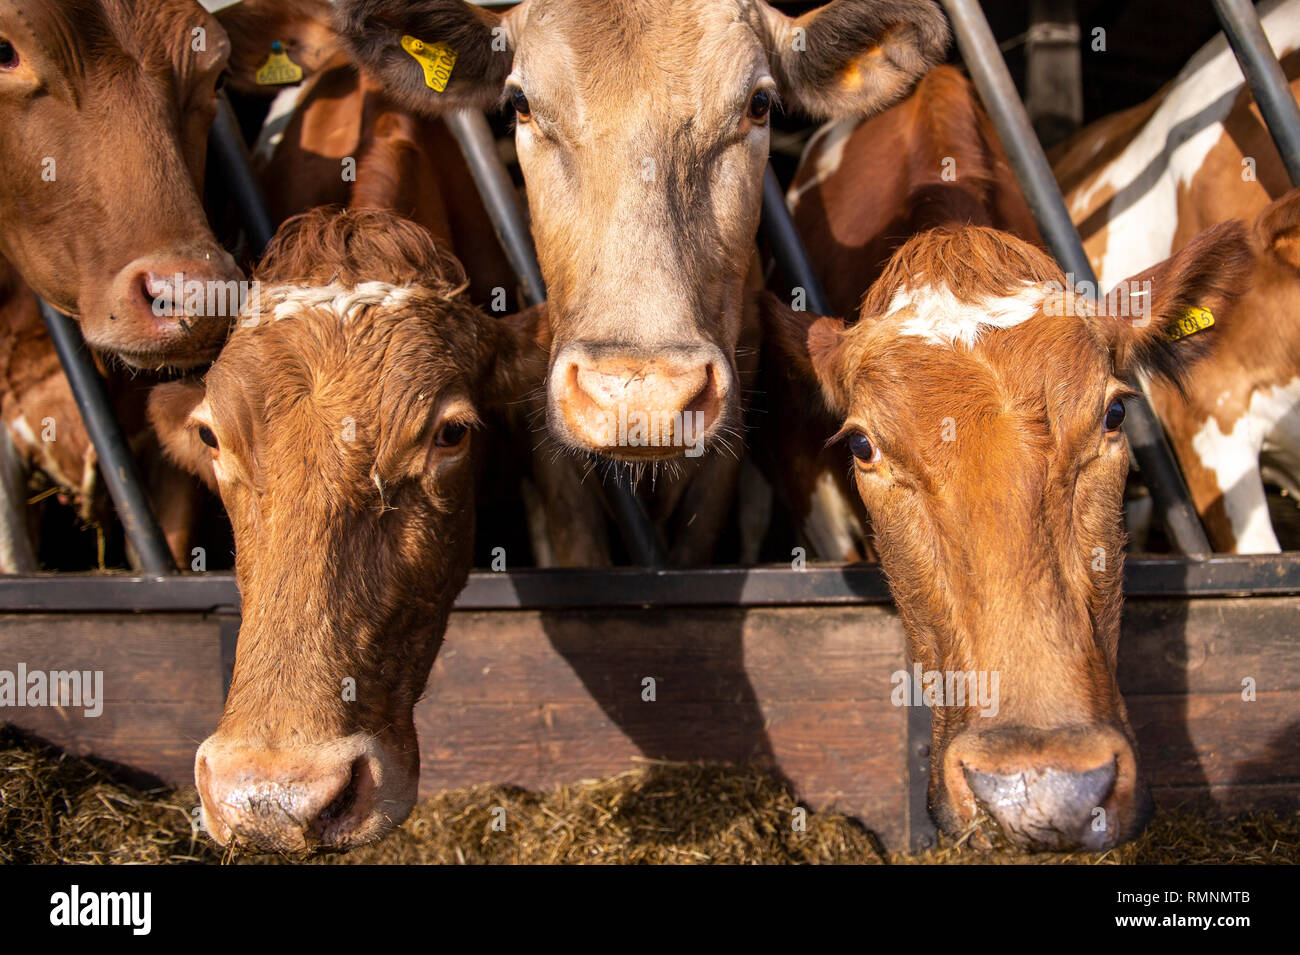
288	799
1046	808
640	407
173	309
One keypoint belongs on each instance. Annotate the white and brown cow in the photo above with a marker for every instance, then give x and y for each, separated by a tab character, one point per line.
1140	185
642	131
982	408
341	425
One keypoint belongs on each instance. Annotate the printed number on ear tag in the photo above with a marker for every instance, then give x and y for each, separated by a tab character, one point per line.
436	59
1193	320
279	70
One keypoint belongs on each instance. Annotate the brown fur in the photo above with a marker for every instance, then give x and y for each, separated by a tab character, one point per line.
350	547
997	489
1225	383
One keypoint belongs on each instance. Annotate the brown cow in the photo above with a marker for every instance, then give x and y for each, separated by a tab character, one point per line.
863	188
643	134
1140	185
115	163
982	407
100	199
340	425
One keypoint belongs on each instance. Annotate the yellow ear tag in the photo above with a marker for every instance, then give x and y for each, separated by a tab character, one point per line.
279	70
437	60
1193	320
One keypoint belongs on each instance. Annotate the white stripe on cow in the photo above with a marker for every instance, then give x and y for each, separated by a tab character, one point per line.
1171	148
1269	425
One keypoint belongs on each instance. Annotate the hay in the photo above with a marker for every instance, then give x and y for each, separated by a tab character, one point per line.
57	808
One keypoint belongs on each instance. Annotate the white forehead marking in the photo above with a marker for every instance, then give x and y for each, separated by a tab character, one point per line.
278	302
941	318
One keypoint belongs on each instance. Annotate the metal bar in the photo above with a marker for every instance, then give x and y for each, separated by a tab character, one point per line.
116	463
477	144
1264	576
232	163
497	190
989	72
1260	66
787	246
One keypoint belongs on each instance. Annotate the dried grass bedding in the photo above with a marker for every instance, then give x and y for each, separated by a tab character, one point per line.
56	808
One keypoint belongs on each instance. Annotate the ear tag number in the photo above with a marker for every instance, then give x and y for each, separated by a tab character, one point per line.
436	59
279	70
1194	320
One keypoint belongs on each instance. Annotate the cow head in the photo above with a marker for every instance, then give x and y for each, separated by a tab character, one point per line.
340	426
106	106
982	408
643	135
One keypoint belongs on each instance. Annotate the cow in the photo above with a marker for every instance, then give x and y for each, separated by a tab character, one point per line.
120	198
981	403
642	130
341	425
1140	185
862	188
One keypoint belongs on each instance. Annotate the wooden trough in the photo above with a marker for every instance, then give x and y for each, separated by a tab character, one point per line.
541	679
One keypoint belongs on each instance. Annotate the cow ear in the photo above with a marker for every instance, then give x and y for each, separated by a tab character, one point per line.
807	347
830	362
1163	320
170	407
1277	230
853	57
517	350
263	32
462	59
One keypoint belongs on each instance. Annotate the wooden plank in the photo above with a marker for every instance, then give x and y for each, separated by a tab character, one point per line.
161	685
1209	646
1218	740
708	655
841	755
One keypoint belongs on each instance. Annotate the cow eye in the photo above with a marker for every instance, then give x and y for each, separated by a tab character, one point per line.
1114	414
207	437
520	102
8	55
451	435
862	448
760	104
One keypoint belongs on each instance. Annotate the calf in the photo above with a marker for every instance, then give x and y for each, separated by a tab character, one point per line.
982	407
642	131
1140	185
341	427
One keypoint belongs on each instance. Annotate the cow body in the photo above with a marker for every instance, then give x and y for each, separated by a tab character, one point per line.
1140	185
